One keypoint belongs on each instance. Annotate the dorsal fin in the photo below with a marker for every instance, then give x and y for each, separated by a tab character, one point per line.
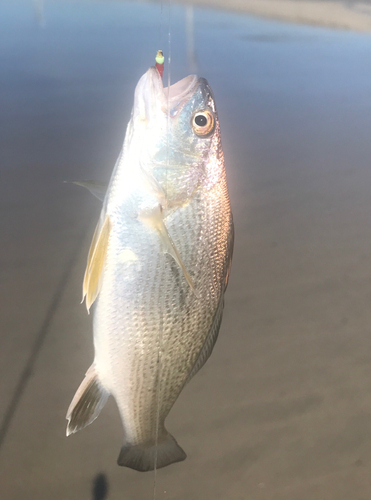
98	189
96	259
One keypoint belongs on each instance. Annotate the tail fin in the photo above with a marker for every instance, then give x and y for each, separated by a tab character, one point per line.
141	457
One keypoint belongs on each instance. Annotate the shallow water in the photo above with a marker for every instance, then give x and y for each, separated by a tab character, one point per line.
282	409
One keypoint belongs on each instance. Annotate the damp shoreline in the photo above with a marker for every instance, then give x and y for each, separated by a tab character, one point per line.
352	15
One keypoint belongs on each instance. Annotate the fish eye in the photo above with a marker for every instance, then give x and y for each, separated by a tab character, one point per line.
203	123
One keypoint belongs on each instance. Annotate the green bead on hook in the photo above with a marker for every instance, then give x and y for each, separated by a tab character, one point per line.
160	62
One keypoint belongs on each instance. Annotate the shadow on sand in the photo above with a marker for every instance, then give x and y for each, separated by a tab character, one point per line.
100	487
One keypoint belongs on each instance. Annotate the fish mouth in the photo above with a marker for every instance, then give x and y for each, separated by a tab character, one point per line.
179	93
174	96
151	95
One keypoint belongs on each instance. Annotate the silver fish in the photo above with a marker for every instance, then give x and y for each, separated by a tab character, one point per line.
158	266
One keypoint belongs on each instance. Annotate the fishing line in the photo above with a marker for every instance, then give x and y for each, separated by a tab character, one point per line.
163	260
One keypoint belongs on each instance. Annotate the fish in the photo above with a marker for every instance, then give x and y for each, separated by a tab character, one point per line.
158	266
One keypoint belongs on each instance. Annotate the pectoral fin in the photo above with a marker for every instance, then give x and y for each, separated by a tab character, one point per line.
154	219
87	403
171	249
96	259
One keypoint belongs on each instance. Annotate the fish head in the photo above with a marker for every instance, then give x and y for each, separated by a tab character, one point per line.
177	133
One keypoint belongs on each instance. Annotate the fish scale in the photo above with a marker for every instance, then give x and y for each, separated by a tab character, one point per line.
158	267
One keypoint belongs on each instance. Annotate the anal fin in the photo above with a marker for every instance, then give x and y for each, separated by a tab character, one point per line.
87	403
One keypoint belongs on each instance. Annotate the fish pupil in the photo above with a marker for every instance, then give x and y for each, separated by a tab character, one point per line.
200	120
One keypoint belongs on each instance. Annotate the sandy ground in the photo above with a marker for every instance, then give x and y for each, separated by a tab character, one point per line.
343	15
350	15
282	411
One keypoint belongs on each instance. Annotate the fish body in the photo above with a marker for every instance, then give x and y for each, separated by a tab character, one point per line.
158	267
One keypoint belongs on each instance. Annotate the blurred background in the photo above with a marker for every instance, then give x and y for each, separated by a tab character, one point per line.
282	410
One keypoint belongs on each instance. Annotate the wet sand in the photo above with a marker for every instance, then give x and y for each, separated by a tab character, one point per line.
282	410
351	15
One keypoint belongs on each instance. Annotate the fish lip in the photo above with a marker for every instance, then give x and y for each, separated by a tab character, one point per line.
151	96
179	94
179	91
174	97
